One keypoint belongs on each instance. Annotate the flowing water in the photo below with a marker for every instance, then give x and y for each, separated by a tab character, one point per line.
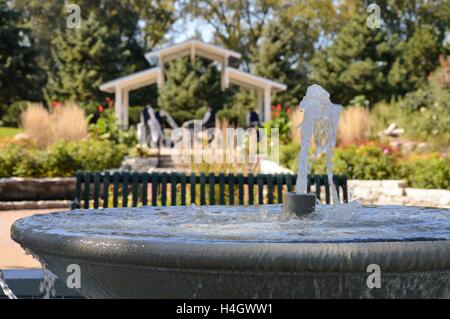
46	286
8	293
320	122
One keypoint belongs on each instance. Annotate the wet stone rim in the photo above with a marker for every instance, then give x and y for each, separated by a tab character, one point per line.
407	256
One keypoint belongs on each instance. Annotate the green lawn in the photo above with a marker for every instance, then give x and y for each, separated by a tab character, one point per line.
9	131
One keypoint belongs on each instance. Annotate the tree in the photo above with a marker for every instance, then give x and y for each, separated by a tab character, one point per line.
44	18
133	26
190	87
356	63
20	75
283	56
83	58
416	59
402	18
238	24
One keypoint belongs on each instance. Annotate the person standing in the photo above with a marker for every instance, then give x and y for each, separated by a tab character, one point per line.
154	126
253	119
209	119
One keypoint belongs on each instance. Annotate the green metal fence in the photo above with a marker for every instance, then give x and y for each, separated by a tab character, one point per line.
131	189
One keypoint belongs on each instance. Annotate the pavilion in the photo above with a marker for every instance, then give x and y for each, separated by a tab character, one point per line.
121	87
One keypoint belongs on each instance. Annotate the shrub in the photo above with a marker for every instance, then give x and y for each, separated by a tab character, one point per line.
35	121
106	129
61	159
283	125
370	161
353	126
67	123
432	171
97	155
9	157
31	164
288	155
134	114
229	115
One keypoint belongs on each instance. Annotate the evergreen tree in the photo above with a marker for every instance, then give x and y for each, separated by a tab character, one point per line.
356	63
190	87
416	59
83	58
20	75
283	56
404	17
129	29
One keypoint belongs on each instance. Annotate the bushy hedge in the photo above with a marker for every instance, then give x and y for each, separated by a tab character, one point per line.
374	161
61	159
432	171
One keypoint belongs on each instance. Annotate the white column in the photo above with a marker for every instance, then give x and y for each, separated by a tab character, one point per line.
223	84
267	104
160	76
118	105
260	105
125	106
161	80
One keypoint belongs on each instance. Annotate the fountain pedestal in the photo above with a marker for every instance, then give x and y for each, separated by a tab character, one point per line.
299	204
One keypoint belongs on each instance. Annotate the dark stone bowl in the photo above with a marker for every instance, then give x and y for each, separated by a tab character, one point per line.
119	268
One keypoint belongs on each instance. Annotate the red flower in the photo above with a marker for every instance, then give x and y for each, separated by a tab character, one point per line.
279	107
288	111
55	104
100	108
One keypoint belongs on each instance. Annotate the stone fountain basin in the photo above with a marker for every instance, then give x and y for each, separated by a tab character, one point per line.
158	268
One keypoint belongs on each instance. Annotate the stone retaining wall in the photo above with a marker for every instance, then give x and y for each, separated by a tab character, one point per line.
37	189
395	192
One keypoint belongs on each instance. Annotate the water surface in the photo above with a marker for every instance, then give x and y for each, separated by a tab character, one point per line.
347	223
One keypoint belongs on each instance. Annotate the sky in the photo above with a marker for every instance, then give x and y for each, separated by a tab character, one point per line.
185	29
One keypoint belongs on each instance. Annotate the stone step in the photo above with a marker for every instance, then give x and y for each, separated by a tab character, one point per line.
165	161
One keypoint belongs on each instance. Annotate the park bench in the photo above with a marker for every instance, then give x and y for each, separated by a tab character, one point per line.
132	189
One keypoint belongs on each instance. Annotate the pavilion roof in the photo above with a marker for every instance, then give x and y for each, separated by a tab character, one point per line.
133	81
245	79
191	48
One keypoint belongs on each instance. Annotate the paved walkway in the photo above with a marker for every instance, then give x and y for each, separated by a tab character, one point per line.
12	256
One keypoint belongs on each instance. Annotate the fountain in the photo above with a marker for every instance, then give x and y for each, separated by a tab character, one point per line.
300	250
321	119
